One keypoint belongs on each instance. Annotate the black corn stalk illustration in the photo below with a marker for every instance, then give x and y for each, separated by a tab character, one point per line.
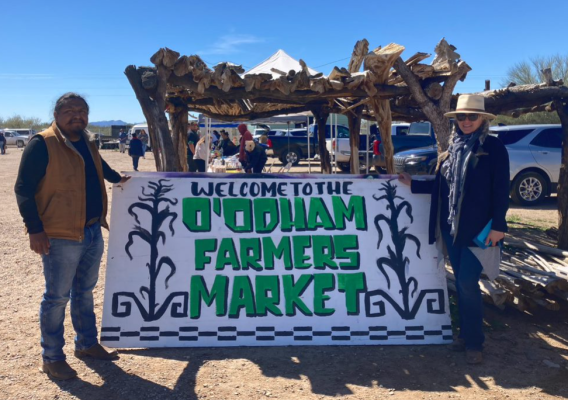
396	260
152	203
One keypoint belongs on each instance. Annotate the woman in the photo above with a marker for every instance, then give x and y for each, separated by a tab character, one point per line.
470	191
245	137
144	140
256	157
135	150
201	152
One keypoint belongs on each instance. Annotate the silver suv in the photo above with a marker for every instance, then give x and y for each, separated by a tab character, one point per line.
535	156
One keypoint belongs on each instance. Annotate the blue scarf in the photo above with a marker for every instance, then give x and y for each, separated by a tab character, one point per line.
454	169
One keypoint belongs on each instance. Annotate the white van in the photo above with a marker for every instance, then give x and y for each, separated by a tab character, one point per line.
137	129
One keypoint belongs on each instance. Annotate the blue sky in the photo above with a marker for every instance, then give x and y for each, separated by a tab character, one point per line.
50	47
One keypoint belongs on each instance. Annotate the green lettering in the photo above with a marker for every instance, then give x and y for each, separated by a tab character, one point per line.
292	293
343	243
300	244
323	252
242	297
227	254
318	210
265	303
234	207
203	246
352	285
194	208
198	292
323	283
272	251
248	259
265	208
356	209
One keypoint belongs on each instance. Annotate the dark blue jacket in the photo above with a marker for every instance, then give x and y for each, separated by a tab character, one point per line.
135	148
485	197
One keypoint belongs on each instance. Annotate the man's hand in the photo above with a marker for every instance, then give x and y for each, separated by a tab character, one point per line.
494	237
124	179
39	242
405	178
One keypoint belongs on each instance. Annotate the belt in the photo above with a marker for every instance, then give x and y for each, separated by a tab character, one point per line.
92	221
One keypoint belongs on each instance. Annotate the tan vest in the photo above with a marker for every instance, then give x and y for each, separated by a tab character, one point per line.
61	194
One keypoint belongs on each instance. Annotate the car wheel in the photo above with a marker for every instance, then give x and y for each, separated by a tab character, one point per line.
344	167
290	157
380	170
20	144
529	189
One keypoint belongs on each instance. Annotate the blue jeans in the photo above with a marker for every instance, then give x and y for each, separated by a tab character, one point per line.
467	270
71	270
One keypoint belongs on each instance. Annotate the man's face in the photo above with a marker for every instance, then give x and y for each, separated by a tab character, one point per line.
194	127
73	117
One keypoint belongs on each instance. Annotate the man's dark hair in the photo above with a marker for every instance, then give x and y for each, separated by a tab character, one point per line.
66	98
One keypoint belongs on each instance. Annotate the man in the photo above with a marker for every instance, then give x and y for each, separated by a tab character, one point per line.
61	195
2	143
122	137
225	145
192	139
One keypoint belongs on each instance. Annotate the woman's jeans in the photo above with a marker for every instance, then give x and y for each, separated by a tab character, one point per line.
467	270
200	164
144	147
71	270
135	160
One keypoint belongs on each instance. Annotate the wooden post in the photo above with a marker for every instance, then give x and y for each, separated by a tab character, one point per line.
487	85
179	123
321	115
562	189
354	138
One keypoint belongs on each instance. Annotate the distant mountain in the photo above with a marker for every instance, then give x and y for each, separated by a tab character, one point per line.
108	123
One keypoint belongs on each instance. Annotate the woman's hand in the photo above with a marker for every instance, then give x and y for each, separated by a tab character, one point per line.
494	237
405	178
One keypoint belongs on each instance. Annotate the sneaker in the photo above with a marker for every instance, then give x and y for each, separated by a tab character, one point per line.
59	370
458	345
473	357
97	352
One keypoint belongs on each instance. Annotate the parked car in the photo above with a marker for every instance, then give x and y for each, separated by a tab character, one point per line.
340	148
293	145
13	138
419	134
23	132
534	159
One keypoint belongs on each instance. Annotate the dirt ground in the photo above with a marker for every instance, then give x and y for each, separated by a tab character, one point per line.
526	356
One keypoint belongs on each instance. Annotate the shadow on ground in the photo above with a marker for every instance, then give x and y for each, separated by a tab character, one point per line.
522	352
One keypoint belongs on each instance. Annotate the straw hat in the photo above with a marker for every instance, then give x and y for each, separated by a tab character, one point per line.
470	104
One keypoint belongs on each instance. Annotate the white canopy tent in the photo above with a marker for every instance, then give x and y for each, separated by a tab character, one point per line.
279	61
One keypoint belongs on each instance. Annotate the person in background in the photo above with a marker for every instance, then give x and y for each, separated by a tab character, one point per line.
122	138
263	141
201	153
470	192
192	139
256	157
61	195
135	150
215	138
245	136
226	146
144	139
2	143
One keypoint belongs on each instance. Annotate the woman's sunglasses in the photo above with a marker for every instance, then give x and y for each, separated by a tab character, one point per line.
471	117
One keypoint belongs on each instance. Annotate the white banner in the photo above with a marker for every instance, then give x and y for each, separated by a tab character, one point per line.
235	260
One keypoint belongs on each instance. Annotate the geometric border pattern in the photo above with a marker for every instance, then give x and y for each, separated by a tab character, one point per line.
269	333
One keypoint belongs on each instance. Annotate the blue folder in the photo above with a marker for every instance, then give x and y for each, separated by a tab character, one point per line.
482	237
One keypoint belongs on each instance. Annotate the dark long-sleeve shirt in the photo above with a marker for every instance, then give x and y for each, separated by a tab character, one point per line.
33	167
485	197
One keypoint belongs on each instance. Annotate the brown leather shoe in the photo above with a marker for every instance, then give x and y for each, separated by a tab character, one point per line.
59	370
97	352
473	357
